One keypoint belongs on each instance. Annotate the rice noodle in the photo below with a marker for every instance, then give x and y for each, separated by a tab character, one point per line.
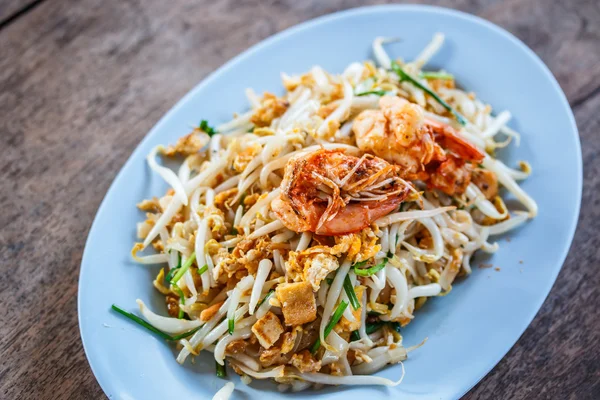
165	324
225	392
168	175
409	215
264	268
428	52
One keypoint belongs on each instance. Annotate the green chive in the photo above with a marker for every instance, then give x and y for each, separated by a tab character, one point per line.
172	271
436	75
185	334
406	77
221	371
369	271
170	274
351	293
203	269
183	268
374	327
151	328
231	326
181	299
207	128
335	318
265	298
141	322
377	92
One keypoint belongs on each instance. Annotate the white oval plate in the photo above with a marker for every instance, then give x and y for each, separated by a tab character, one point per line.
469	330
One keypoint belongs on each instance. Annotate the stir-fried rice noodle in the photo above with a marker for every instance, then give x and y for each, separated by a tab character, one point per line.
301	238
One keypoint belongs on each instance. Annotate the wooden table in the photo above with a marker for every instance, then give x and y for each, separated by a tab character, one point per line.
81	84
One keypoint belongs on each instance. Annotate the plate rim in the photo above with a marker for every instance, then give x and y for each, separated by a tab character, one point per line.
106	384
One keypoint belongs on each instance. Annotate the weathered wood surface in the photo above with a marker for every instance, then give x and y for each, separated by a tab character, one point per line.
81	82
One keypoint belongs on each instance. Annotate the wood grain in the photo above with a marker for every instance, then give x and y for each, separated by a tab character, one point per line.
81	84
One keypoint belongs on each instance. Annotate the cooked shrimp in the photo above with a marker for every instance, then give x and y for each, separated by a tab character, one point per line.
425	149
332	193
395	133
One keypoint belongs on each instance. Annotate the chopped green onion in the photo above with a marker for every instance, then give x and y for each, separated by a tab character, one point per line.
242	198
406	77
395	326
221	371
207	128
183	268
203	269
436	75
141	322
169	276
369	271
374	327
335	318
181	299
151	328
351	293
185	334
265	298
377	92
231	326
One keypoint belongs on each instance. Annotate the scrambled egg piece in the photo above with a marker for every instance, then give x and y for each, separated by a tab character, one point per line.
318	267
298	302
187	145
151	205
244	156
267	330
314	263
271	107
305	362
222	199
246	255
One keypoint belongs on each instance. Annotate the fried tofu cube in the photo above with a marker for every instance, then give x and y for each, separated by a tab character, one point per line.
267	330
297	302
